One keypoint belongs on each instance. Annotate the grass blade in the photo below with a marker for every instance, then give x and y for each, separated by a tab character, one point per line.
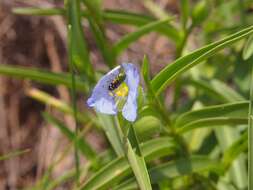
102	43
137	161
248	48
110	125
216	89
173	70
13	154
250	134
236	109
119	168
219	121
39	11
79	50
114	16
174	169
60	105
42	76
132	37
239	146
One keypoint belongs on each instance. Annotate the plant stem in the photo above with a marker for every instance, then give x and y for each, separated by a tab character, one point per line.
73	99
250	134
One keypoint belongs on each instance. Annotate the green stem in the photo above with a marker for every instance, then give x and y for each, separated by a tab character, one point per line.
73	98
250	134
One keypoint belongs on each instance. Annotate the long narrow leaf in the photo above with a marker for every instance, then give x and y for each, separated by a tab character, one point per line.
119	168
173	70
174	169
42	76
13	154
79	50
132	37
237	109
137	161
114	16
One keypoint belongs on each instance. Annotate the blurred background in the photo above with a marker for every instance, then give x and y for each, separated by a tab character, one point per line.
41	42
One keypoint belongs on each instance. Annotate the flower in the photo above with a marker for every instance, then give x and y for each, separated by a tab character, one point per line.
119	84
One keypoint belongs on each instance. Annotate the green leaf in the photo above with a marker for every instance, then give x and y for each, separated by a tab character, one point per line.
137	161
119	168
239	146
43	76
230	110
110	126
250	133
94	9
175	168
114	16
79	50
60	105
200	12
155	9
39	11
216	89
147	126
173	70
13	154
184	12
248	48
103	44
124	42
145	69
237	173
212	122
123	17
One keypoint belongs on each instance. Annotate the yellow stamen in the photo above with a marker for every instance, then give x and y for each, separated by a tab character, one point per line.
122	90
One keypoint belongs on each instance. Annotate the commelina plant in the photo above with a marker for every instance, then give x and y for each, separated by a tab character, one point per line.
117	87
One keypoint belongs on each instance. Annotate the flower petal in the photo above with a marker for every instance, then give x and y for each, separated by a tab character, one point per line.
100	98
129	110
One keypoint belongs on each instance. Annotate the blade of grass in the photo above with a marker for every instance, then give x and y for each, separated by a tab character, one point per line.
38	11
237	173
124	42
250	133
60	105
215	89
109	126
114	16
13	154
119	168
230	110
239	146
175	168
71	46
248	48
79	50
155	9
136	160
211	122
173	70
42	76
184	12
103	44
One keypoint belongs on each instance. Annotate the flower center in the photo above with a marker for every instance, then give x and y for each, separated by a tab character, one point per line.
122	90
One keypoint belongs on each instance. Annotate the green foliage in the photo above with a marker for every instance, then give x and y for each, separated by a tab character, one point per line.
199	141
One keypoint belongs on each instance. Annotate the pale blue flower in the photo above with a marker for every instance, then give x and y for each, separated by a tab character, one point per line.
104	100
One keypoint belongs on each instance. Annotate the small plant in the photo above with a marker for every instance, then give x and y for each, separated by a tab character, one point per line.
198	141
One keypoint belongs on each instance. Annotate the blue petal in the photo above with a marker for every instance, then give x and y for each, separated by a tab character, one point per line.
129	110
100	99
